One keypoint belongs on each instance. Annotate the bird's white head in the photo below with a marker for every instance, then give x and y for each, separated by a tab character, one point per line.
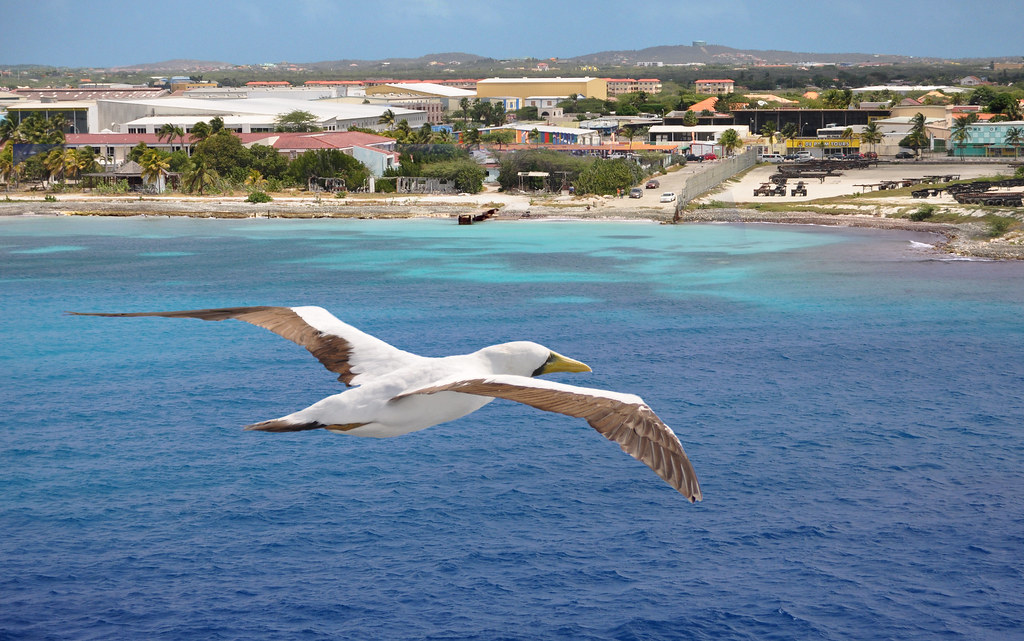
525	358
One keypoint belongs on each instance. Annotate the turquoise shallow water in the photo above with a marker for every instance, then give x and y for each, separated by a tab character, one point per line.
851	403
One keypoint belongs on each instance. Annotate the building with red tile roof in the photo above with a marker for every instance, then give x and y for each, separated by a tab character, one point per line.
378	153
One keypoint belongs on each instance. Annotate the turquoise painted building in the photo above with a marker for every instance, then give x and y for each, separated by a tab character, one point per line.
988	139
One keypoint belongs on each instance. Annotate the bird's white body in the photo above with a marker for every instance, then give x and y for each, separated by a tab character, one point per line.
375	404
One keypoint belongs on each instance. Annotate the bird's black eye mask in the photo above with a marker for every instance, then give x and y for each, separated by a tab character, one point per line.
543	369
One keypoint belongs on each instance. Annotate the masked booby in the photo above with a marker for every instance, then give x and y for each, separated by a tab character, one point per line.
396	392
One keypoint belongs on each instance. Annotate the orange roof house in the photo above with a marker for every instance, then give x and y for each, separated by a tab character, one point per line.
708	104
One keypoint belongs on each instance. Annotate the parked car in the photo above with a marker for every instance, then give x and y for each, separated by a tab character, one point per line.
769	158
668	197
905	154
694	158
870	155
710	157
636	192
804	155
653	184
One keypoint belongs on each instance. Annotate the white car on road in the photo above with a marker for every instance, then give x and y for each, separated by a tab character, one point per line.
668	197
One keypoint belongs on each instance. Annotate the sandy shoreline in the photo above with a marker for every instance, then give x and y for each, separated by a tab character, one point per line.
958	238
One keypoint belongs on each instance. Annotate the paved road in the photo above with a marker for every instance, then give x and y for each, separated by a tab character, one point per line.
672	181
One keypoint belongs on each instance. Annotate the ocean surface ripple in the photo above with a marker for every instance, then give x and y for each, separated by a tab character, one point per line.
852	407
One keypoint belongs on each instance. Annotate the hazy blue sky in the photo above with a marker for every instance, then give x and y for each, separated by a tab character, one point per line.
122	32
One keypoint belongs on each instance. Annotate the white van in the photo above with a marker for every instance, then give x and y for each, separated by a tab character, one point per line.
804	155
769	158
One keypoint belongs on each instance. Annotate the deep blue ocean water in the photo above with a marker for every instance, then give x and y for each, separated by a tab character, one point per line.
850	400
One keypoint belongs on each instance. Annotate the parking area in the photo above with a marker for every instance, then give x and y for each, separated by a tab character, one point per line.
851	181
673	181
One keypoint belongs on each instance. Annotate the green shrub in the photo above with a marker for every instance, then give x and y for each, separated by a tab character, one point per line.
999	225
258	197
924	212
466	174
386	186
608	176
117	187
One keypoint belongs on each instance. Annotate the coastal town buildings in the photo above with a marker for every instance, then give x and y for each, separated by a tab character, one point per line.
664	134
715	87
378	153
541	134
525	87
126	115
807	121
989	139
619	86
252	115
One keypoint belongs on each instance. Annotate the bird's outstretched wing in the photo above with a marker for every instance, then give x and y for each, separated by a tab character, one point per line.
623	418
354	355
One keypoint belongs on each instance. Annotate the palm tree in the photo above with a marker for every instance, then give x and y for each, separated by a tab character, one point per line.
40	131
154	167
200	131
790	130
424	134
7	167
960	133
85	159
498	115
255	181
1014	137
8	130
628	133
216	125
200	177
837	98
769	132
60	162
387	118
918	137
871	135
730	141
170	132
403	131
471	137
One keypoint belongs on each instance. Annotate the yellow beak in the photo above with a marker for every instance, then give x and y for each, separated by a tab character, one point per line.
558	363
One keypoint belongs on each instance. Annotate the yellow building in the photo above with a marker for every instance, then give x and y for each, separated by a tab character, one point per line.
528	87
185	86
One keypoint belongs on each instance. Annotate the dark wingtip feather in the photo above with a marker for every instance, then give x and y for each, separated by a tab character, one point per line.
279	425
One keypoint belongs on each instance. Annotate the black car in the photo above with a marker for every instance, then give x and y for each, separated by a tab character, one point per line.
904	154
694	158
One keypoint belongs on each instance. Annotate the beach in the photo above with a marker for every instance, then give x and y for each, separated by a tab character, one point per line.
732	202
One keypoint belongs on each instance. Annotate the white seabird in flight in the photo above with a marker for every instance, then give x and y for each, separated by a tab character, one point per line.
398	392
